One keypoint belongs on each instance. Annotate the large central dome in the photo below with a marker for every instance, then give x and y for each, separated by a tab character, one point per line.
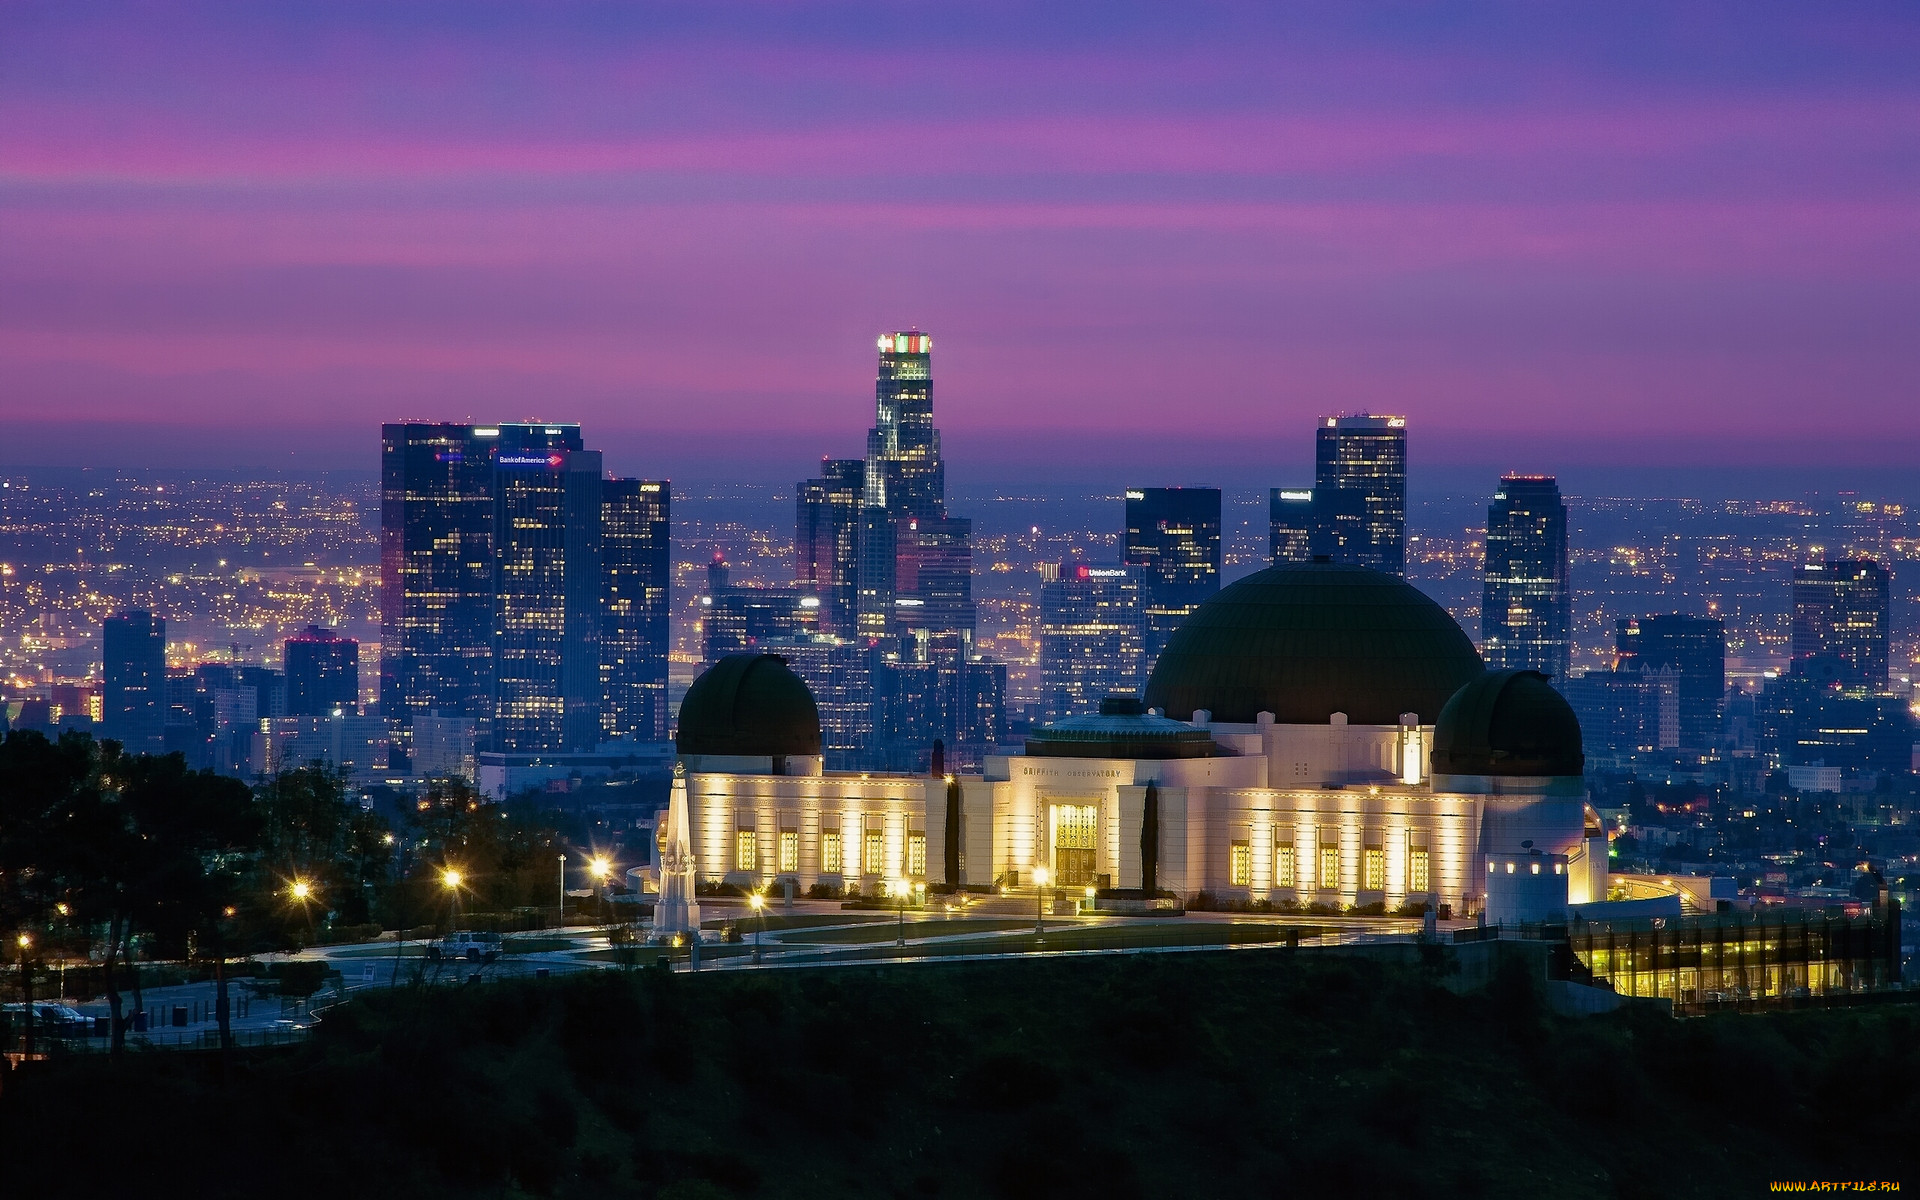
1306	640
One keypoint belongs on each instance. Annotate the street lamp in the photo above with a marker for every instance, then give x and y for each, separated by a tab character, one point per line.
301	891
562	920
451	879
601	870
900	890
1040	877
759	903
25	942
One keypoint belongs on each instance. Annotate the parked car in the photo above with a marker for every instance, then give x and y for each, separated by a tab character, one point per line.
470	945
50	1019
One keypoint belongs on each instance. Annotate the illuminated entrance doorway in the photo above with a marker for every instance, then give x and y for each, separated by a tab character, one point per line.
1076	829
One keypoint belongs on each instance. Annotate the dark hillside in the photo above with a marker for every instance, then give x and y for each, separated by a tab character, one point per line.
1254	1073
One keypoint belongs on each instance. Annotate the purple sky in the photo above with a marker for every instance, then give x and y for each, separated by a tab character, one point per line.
1551	238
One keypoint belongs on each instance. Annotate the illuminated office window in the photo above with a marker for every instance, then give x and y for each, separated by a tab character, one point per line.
789	850
1376	869
1240	865
876	863
1418	877
830	859
746	851
1283	867
916	854
1330	866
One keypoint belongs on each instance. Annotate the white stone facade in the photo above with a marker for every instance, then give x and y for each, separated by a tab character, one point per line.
1320	814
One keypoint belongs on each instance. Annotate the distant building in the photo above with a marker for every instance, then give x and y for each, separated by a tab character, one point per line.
826	542
1089	638
323	673
1807	720
734	617
443	748
547	581
1695	650
504	775
636	524
944	695
1840	613
839	673
1360	491
236	698
933	577
1290	525
354	744
915	563
1623	713
1526	605
436	571
1173	542
133	708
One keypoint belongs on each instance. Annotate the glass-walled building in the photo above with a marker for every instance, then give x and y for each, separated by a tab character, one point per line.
1290	525
1360	491
1526	601
547	585
1173	542
636	528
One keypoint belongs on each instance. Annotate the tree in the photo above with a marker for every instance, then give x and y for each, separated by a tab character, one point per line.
953	832
314	832
1150	842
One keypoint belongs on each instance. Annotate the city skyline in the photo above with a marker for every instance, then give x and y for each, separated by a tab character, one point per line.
1631	221
1412	571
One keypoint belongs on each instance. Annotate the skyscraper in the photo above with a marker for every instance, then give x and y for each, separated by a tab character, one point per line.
1089	638
1694	649
436	571
133	708
1360	491
323	673
1290	525
547	582
1173	539
490	581
636	531
903	516
904	472
1526	604
933	576
826	541
1840	622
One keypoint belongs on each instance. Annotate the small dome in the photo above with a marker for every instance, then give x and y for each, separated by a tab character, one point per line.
1123	729
1306	640
1508	723
749	704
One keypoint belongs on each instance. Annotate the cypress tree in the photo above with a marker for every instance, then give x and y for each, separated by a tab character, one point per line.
953	832
1150	842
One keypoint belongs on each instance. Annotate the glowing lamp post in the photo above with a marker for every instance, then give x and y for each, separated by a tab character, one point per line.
25	942
451	879
759	904
1040	877
602	871
900	890
300	891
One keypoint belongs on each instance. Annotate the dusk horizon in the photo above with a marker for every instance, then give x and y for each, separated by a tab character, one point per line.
1547	236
